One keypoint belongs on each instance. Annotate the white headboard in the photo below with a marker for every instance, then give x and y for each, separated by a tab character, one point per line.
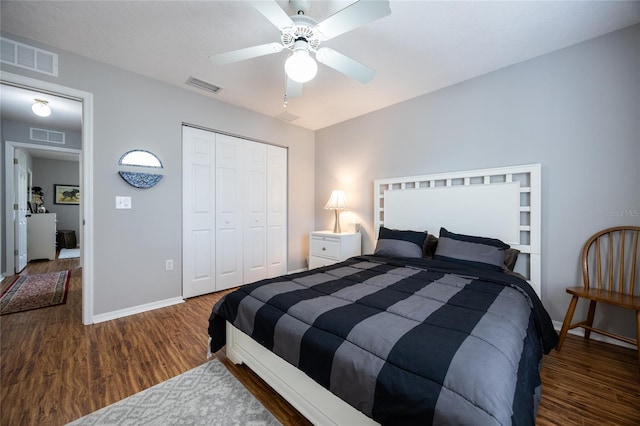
501	203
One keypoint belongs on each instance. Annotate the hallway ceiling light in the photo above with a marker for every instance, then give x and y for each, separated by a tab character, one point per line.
41	108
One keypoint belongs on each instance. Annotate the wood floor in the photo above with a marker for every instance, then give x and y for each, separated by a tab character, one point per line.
54	370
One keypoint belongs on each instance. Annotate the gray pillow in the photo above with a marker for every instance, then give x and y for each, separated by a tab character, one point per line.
429	247
510	258
395	243
487	253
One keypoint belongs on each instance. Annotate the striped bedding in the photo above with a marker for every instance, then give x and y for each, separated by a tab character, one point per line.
404	341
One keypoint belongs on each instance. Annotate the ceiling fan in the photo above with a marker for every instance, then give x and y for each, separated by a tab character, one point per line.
301	35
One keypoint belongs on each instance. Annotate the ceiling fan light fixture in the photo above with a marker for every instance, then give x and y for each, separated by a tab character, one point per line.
300	66
40	108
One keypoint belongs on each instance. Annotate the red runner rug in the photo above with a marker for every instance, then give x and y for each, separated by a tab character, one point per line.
35	291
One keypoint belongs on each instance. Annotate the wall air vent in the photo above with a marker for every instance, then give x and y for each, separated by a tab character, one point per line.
28	57
286	116
203	85
44	135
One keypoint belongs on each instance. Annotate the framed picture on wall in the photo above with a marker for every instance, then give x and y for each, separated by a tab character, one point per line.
66	194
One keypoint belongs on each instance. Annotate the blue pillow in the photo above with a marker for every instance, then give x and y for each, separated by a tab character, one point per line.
395	243
487	253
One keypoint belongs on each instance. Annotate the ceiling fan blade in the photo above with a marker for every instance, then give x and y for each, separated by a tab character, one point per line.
293	89
353	16
246	53
273	13
345	65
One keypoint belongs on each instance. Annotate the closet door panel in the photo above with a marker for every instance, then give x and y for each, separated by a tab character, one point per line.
276	211
255	207
228	212
198	207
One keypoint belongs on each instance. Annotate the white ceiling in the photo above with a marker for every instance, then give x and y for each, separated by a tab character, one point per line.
421	47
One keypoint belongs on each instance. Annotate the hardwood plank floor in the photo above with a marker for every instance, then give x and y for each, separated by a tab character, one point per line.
54	370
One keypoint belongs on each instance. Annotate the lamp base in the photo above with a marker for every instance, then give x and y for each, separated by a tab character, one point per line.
336	227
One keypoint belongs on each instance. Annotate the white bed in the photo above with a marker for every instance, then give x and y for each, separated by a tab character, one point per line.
503	202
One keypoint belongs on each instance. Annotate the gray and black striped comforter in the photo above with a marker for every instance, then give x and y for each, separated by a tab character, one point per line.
404	341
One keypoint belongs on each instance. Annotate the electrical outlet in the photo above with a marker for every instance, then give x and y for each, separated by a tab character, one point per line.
168	265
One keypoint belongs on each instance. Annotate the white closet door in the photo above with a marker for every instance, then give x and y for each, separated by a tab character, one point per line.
277	211
229	231
198	204
255	211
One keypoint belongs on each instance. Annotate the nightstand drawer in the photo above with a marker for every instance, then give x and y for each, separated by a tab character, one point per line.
325	247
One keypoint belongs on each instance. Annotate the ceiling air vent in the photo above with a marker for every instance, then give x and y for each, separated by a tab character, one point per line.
28	57
44	135
286	116
203	85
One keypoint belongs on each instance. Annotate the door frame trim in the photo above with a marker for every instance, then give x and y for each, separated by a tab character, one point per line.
86	178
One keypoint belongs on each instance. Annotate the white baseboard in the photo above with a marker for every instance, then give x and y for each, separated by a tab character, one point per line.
136	309
297	270
579	331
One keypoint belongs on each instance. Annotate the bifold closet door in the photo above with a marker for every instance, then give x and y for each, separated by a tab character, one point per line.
276	211
255	212
229	212
234	211
198	212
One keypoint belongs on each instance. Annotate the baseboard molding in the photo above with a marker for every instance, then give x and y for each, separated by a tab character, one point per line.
578	331
136	309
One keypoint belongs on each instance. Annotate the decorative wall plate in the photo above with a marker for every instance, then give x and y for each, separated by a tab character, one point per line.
141	180
144	159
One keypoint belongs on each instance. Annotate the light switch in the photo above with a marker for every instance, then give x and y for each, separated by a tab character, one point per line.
123	202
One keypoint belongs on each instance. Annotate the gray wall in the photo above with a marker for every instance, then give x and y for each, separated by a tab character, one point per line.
16	131
575	111
131	111
46	174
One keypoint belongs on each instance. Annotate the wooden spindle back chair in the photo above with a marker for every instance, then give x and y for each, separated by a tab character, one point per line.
609	275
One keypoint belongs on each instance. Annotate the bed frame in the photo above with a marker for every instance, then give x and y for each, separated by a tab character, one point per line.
505	201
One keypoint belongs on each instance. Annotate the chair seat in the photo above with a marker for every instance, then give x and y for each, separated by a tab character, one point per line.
605	296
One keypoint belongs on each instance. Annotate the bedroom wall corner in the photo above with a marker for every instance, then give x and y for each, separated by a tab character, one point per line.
575	111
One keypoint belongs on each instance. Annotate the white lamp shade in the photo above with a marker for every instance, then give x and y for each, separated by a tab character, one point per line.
40	108
300	66
337	201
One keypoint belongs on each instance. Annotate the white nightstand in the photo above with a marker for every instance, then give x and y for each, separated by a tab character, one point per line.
326	248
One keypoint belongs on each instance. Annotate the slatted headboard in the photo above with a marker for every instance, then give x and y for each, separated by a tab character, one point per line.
500	203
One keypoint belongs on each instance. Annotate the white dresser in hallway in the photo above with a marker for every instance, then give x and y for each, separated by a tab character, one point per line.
41	236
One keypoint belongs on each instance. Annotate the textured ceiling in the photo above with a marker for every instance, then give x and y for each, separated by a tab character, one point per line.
421	47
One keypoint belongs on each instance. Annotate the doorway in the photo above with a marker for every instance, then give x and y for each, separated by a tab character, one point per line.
85	159
17	191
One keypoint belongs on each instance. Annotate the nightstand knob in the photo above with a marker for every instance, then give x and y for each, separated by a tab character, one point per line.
324	249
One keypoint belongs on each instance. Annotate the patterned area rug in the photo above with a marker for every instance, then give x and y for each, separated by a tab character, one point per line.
206	395
35	291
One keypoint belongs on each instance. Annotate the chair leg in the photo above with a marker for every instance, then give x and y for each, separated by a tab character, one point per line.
638	335
590	315
567	321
